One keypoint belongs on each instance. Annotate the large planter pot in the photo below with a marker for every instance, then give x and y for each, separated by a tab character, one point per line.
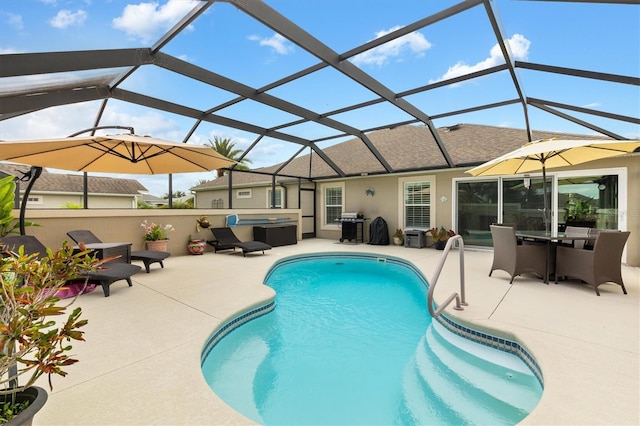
158	245
398	241
196	246
439	245
36	397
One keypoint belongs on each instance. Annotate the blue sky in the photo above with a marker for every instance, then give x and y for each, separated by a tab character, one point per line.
597	37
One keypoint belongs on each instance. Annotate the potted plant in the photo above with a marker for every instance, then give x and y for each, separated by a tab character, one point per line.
31	343
440	237
195	246
156	236
580	213
398	237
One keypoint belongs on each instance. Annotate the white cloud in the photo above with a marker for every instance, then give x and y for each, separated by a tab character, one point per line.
279	44
66	18
592	105
146	21
14	21
413	42
519	46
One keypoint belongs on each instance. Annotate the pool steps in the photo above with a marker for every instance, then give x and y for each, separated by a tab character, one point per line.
464	377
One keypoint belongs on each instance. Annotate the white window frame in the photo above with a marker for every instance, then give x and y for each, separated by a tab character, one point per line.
278	190
35	199
323	215
432	207
240	193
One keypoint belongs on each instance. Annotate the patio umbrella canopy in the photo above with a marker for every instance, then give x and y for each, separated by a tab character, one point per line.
552	153
122	153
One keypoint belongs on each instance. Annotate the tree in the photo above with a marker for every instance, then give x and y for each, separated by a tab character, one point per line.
176	194
225	146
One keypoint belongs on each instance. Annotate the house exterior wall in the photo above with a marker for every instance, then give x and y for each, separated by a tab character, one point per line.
48	200
258	199
387	201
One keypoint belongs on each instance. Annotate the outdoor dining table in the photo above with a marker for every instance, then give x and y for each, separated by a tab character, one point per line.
550	239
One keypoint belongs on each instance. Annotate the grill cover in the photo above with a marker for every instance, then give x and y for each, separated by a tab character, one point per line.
379	232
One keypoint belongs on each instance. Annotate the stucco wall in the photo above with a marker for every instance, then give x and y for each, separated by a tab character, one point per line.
125	225
387	200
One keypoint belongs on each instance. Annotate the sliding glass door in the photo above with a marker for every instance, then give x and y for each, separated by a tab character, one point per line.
589	200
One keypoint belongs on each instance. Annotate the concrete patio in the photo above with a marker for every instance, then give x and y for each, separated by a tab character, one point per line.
140	363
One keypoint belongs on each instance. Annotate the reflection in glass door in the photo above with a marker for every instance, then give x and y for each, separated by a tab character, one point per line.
522	202
588	201
477	209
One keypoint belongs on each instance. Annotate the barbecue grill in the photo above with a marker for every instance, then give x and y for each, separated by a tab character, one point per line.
352	225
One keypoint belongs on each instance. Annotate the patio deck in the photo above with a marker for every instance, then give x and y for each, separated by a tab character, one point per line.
141	361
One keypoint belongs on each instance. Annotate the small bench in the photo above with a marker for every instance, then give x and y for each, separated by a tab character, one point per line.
150	256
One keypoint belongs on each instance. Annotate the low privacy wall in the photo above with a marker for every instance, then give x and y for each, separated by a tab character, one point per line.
124	225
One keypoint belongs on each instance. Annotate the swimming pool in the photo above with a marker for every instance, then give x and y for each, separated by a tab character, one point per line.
351	342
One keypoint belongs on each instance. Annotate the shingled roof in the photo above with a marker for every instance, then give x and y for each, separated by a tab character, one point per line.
406	148
57	182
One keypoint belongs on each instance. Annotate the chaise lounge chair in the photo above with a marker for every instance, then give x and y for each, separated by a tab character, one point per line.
146	256
225	239
105	276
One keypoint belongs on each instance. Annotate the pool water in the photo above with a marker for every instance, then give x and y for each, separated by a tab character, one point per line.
351	342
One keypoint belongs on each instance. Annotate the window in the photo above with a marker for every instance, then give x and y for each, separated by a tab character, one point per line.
243	193
333	200
417	206
34	199
278	203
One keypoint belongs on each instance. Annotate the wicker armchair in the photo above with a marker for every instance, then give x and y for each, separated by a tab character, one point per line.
516	259
594	267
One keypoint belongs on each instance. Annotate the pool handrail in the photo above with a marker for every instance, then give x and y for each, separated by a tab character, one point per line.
460	298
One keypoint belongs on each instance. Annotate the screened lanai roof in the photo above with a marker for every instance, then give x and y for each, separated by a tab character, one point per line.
283	79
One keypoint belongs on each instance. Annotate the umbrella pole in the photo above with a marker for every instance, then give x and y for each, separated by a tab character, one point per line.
545	209
31	176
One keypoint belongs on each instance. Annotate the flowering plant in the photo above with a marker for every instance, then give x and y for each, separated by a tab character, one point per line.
155	232
441	234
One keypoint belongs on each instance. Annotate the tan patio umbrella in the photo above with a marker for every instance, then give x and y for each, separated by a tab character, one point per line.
122	153
552	153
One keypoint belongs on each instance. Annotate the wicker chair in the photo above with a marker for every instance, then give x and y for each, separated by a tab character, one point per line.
594	267
516	259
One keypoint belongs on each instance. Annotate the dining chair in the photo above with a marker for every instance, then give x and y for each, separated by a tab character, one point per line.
516	259
579	231
594	267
